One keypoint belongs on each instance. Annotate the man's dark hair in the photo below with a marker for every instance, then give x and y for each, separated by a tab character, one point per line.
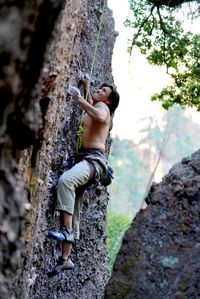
113	97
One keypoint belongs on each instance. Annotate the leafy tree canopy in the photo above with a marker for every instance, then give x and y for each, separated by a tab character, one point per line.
159	34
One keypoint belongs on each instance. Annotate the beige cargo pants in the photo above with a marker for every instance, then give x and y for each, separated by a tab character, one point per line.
69	193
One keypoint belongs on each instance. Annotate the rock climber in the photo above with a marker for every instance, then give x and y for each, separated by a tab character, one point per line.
91	163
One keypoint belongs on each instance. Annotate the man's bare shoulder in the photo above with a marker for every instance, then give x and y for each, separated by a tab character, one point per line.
101	105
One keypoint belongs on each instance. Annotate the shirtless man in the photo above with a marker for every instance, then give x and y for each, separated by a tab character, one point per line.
91	164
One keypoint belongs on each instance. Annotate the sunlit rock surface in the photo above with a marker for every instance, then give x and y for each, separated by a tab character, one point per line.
160	253
44	46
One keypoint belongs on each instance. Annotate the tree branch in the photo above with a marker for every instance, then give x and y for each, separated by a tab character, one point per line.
141	26
165	32
162	25
169	3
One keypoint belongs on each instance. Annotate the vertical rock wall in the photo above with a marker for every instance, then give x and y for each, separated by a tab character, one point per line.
44	47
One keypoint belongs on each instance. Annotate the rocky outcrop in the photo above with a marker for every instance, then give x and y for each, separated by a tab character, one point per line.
45	45
160	253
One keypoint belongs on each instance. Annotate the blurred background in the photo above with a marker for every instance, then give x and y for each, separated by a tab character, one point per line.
147	139
144	133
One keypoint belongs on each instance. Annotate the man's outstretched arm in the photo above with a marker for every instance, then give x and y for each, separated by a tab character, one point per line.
85	83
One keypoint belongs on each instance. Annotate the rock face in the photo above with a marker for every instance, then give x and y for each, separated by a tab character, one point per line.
160	253
44	46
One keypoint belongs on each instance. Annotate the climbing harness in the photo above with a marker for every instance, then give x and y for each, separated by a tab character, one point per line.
79	133
85	154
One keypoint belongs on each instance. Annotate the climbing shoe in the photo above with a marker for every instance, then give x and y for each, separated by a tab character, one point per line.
61	265
61	235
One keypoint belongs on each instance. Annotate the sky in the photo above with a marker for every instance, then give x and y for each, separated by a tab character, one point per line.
136	81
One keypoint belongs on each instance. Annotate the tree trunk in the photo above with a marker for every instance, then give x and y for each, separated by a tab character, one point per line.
170	3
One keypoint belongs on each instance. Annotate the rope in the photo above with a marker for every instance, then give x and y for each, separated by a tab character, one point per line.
96	45
80	128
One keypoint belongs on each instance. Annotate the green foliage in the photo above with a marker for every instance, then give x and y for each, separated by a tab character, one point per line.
117	224
160	36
